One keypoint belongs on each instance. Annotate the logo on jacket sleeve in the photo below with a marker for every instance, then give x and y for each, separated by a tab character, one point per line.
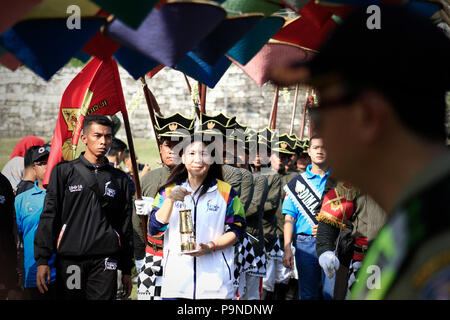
109	191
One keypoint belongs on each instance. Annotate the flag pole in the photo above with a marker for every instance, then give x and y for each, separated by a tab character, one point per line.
310	105
135	168
302	129
151	109
273	114
203	98
197	111
294	109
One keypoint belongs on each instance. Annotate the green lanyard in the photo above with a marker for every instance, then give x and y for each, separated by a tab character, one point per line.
383	260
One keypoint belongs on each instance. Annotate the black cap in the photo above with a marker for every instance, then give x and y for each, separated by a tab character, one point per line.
175	125
265	134
263	140
218	123
240	132
39	154
242	127
299	145
285	144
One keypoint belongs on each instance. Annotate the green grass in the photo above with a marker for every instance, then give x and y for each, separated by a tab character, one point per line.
6	147
146	150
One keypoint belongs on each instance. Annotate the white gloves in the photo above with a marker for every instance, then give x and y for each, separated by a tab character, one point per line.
144	206
139	264
329	263
356	265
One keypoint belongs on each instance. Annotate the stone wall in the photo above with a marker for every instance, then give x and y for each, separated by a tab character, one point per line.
30	105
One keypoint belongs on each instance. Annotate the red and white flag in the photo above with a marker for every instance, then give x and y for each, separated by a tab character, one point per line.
95	90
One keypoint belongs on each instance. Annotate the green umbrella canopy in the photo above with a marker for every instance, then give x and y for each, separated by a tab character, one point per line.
266	7
130	12
58	9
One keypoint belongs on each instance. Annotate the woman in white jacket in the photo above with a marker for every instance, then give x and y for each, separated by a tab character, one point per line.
219	222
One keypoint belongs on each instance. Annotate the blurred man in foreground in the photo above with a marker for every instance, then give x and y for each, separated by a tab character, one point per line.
381	114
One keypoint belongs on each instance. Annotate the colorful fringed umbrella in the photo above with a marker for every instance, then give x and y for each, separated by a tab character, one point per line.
225	36
246	48
58	9
168	33
101	47
207	74
267	7
304	33
46	45
9	60
130	12
272	54
135	63
13	11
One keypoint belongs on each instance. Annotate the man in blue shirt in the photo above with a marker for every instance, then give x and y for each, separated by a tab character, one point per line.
29	205
300	205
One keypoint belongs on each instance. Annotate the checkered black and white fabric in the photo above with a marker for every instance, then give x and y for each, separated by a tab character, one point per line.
150	278
258	268
276	252
245	259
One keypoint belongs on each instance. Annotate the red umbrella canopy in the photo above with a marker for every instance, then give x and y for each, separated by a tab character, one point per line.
272	54
13	11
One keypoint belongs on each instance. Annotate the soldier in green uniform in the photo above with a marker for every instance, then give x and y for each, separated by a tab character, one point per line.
171	131
383	122
260	163
254	219
303	158
284	148
234	144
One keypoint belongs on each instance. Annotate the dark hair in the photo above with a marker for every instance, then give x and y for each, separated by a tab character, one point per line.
303	155
179	174
406	60
96	118
28	157
117	146
314	136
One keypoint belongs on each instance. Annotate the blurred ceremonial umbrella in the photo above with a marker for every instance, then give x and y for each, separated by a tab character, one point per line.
9	60
266	7
59	9
224	37
273	53
169	32
13	11
45	55
42	40
246	48
130	12
206	62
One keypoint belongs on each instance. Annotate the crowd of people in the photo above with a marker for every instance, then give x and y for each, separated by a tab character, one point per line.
340	215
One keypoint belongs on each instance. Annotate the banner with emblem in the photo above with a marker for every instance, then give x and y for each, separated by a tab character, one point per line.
95	90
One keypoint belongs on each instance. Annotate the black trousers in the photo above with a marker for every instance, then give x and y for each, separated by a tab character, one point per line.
34	294
86	279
